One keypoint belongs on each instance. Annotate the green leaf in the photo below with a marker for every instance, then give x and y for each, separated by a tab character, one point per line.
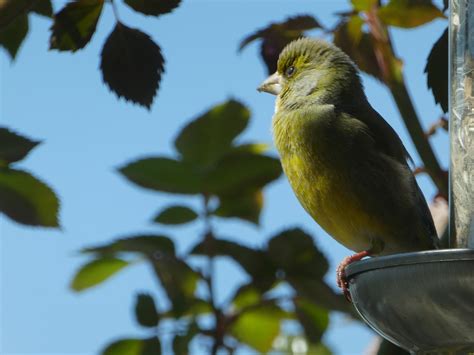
164	174
153	7
14	147
210	136
436	70
27	200
132	65
181	341
246	296
363	5
354	28
242	172
409	13
313	318
12	36
259	327
145	311
176	215
75	24
96	272
246	206
133	346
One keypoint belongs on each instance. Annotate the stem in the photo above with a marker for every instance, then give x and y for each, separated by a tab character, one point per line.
115	10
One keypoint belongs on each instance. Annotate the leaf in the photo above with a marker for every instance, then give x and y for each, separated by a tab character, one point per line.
145	311
354	28
313	318
242	172
163	174
153	7
27	200
363	5
436	70
176	215
247	295
133	346
132	65
75	24
259	327
12	36
43	8
408	13
246	206
96	272
181	342
210	136
277	35
14	147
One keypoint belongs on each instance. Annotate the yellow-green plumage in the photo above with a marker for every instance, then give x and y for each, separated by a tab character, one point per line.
345	164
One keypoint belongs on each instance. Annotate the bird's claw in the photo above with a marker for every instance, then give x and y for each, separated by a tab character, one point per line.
341	279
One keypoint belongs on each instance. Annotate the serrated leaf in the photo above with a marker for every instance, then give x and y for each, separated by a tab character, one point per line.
153	7
27	200
436	70
176	215
12	36
96	272
209	136
164	174
408	13
313	318
145	311
132	65
246	206
14	147
148	245
133	346
75	24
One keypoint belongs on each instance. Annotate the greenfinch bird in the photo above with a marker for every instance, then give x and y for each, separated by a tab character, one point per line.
346	165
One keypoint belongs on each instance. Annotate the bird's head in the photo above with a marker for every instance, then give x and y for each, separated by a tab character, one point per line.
312	69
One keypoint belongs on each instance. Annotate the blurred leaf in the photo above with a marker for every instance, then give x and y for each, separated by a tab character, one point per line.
245	296
285	344
436	70
131	346
96	272
181	342
210	136
163	174
408	13
242	172
148	245
176	215
258	327
43	8
277	35
132	65
153	7
313	318
387	348
354	28
75	24
363	5
295	252
246	206
257	148
145	311
361	51
12	36
195	306
27	200
14	147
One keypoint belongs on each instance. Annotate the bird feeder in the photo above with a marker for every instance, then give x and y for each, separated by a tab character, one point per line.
424	301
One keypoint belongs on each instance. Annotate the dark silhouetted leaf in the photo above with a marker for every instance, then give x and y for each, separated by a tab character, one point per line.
181	342
132	65
75	24
12	36
96	272
277	35
387	348
408	13
145	311
148	245
176	215
153	7
14	147
246	206
436	70
208	137
363	5
295	252
43	7
27	200
131	346
313	318
164	174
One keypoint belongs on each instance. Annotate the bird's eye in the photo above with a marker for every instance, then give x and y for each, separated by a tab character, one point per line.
290	70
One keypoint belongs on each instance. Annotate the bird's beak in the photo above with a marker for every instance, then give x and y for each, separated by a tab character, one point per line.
271	85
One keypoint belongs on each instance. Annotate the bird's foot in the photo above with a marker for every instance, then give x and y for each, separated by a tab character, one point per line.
341	272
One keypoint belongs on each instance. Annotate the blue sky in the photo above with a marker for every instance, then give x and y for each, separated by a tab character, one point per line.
59	98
